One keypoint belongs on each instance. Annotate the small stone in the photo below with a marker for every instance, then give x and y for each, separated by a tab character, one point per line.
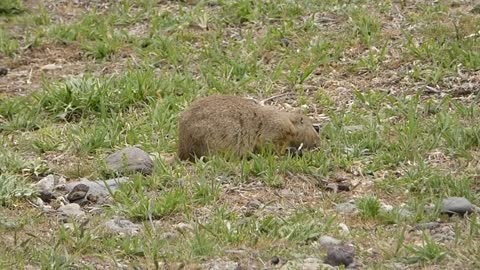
68	226
71	210
340	255
183	227
285	42
346	208
46	186
98	191
3	71
92	198
344	228
130	159
275	260
326	241
122	226
78	192
386	207
254	204
39	202
457	205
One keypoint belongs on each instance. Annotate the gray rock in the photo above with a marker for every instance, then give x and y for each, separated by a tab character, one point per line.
275	260
71	210
46	185
346	208
122	226
130	159
326	241
285	42
3	71
78	192
98	191
340	255
457	205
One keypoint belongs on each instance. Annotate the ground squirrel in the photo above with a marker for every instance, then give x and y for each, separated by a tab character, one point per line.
237	125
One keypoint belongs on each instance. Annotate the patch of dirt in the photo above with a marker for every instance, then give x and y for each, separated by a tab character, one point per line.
49	61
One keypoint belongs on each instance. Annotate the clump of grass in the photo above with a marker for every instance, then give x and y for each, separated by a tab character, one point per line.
11	162
369	207
20	114
8	45
13	187
11	7
427	253
365	26
138	205
91	96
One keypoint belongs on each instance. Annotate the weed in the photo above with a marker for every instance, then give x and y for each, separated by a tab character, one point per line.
13	187
428	252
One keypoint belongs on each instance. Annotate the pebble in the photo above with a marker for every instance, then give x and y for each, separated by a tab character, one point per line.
285	42
340	255
122	226
130	159
183	227
346	208
344	228
3	71
78	192
46	186
275	260
254	204
326	241
98	191
71	210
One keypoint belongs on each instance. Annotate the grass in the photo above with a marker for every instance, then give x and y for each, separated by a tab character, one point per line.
390	82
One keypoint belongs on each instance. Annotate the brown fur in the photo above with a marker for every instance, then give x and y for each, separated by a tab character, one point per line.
230	124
